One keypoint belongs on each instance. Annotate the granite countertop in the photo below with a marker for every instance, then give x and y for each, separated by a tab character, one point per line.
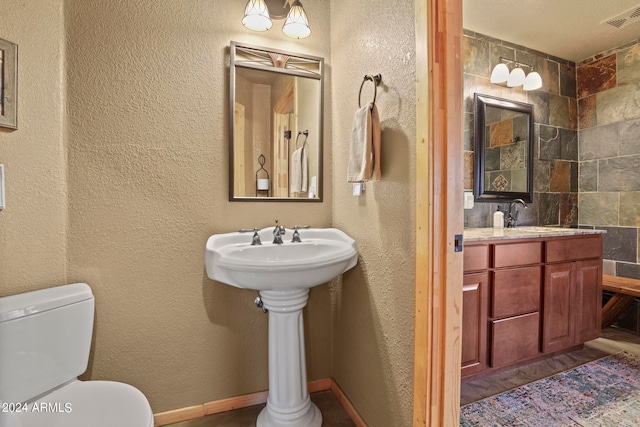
480	234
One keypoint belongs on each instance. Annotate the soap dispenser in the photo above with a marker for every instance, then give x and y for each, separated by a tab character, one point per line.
498	219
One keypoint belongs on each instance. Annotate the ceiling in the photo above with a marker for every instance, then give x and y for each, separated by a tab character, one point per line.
569	29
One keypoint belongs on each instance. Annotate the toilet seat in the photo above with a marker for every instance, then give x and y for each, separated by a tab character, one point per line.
90	404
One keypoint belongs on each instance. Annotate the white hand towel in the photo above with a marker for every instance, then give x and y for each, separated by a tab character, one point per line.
364	150
298	178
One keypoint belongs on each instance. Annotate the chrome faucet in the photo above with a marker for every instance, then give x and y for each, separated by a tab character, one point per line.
511	217
255	240
278	232
296	234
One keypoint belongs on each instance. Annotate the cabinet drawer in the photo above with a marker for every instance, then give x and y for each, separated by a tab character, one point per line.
574	249
516	291
476	258
514	339
514	254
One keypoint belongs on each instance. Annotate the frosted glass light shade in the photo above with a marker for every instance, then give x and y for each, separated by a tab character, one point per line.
297	24
533	81
516	78
500	73
256	16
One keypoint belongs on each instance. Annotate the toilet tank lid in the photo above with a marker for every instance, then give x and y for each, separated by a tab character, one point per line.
28	303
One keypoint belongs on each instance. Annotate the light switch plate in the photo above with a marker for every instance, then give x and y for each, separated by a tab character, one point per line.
468	200
1	187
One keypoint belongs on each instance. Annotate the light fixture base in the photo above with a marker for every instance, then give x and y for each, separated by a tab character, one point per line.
278	9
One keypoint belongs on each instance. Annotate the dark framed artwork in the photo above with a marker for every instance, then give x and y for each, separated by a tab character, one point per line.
8	84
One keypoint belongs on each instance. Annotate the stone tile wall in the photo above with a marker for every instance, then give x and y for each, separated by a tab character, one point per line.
555	134
506	142
587	136
608	91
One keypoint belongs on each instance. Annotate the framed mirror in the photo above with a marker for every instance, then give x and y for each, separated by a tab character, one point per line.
503	149
275	147
8	84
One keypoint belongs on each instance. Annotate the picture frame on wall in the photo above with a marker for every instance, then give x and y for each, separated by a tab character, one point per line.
8	84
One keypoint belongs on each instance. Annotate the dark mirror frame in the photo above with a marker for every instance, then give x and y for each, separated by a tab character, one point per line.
481	102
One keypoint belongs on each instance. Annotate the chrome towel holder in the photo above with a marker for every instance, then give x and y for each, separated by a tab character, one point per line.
376	80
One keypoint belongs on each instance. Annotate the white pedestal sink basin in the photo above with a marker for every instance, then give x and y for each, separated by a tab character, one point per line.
283	273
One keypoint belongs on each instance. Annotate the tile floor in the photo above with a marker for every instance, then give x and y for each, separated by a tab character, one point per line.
612	341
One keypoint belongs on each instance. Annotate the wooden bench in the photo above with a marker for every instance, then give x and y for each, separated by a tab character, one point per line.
624	291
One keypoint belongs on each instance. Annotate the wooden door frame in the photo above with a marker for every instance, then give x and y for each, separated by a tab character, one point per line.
439	213
239	170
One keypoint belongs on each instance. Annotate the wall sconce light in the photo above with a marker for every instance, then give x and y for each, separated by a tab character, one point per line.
257	17
516	77
297	24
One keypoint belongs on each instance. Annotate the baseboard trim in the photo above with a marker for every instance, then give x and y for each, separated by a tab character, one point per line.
224	405
346	404
178	415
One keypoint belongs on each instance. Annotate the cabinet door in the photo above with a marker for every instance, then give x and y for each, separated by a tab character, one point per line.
588	300
475	301
557	307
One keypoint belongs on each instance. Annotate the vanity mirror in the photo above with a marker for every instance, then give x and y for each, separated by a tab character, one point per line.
276	101
503	150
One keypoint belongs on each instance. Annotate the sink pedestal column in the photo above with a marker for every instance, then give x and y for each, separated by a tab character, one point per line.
288	403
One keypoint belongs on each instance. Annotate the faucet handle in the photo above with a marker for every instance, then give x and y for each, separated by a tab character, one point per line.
255	240
279	229
296	235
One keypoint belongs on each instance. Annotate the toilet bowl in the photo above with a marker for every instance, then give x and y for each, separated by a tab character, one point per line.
45	338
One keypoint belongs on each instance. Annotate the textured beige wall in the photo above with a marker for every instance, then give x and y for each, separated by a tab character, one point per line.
32	227
373	324
146	137
148	166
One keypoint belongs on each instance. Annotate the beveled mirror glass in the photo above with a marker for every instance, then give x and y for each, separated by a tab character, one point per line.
503	152
276	101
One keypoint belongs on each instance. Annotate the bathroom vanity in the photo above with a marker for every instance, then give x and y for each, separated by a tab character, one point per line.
528	293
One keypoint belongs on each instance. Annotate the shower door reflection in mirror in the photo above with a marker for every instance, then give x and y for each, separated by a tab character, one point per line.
276	125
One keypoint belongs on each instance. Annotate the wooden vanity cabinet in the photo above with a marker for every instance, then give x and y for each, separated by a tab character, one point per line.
572	288
475	307
524	298
515	314
475	299
588	294
558	329
515	302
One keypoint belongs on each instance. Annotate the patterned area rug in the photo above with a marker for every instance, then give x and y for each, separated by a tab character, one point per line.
605	392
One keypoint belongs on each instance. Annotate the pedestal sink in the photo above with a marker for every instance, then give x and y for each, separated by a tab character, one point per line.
283	273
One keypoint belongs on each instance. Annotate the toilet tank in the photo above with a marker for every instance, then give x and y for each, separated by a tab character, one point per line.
45	338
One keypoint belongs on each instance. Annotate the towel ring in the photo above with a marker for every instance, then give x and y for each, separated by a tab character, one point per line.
306	135
376	82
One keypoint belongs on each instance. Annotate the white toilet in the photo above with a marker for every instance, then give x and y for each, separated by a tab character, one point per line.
45	337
